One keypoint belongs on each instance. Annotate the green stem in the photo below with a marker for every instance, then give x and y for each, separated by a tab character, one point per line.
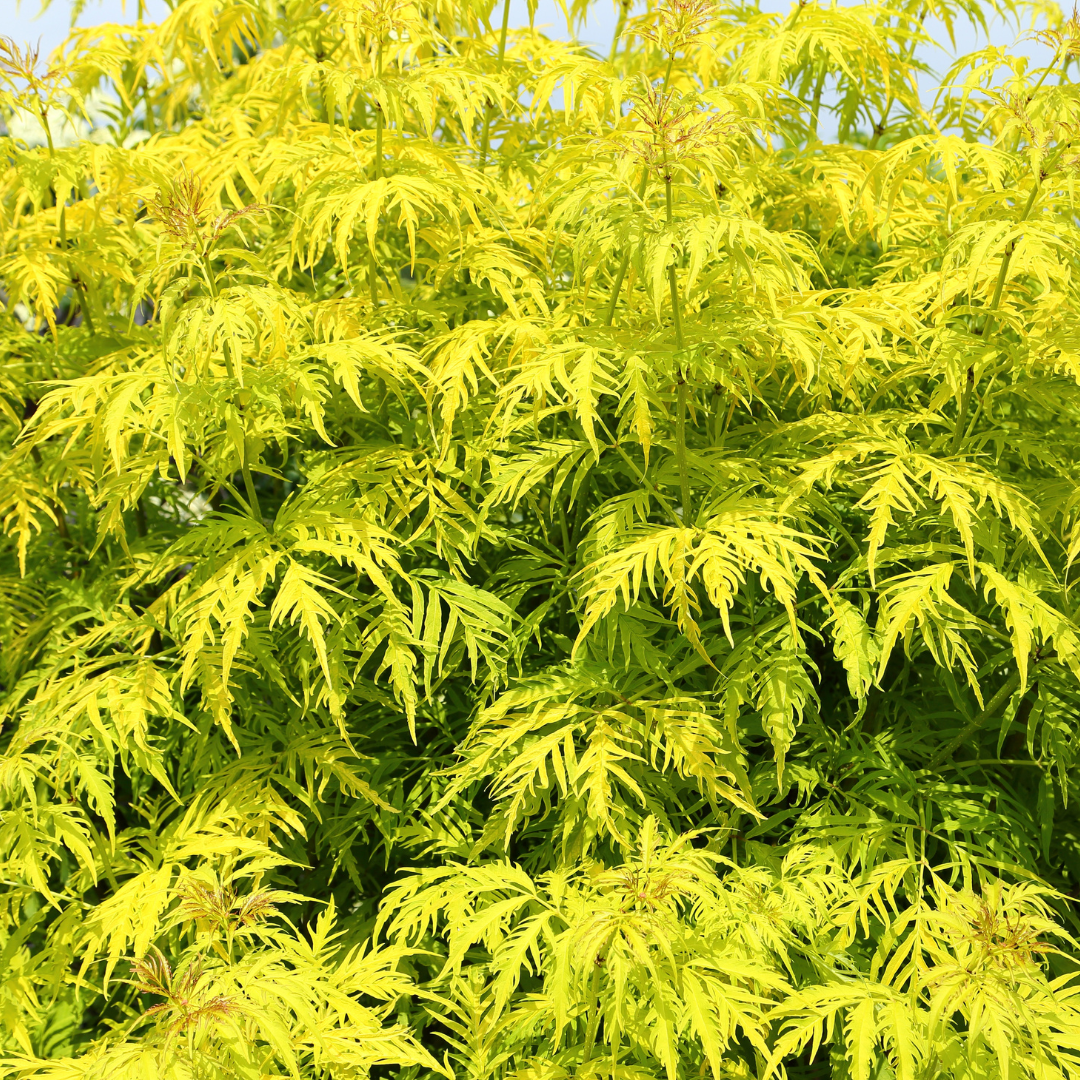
987	326
48	134
653	490
594	1018
485	137
564	529
151	123
722	422
327	111
1004	693
624	10
372	269
384	406
379	122
84	301
61	520
680	450
879	127
373	275
673	285
245	469
208	273
984	397
1063	78
249	486
141	525
1042	79
816	106
616	287
676	315
999	287
961	414
915	987
992	706
80	288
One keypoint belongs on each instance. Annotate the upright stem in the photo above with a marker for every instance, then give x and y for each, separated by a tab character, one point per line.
324	93
722	422
80	288
642	476
673	285
151	124
245	468
249	484
999	286
372	272
676	315
987	326
485	137
879	127
208	273
680	450
961	413
379	121
1042	78
616	287
564	529
594	1014
624	10
1063	78
1006	691
59	516
816	106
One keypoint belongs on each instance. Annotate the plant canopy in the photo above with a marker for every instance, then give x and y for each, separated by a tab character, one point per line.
527	563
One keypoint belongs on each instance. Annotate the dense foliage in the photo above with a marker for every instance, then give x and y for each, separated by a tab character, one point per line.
521	563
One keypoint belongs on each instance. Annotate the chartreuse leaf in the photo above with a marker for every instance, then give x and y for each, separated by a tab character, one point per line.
525	561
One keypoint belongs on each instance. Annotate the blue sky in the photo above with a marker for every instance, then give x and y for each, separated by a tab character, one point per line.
20	22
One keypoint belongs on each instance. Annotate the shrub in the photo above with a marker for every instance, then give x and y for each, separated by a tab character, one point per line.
526	564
